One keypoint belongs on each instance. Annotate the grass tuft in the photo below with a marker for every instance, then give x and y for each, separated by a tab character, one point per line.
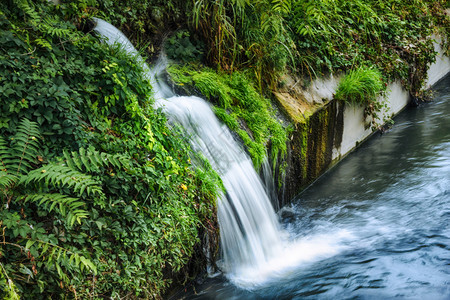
360	86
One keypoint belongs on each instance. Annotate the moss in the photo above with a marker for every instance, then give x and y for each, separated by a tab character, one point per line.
339	125
296	108
323	117
311	147
304	148
240	107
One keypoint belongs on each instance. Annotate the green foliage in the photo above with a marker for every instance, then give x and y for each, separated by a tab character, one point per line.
245	33
181	48
394	35
240	107
17	158
18	185
70	203
310	37
360	86
145	23
7	286
363	86
35	79
137	216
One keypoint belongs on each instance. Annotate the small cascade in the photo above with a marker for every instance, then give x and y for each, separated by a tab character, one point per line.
249	229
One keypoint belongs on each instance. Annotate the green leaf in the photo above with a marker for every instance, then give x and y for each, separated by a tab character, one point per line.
29	244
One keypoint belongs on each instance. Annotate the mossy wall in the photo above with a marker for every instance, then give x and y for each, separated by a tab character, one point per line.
319	139
310	149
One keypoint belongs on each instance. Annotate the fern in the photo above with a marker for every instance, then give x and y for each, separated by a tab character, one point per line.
25	145
28	10
43	43
18	158
282	6
69	207
23	181
7	181
60	256
53	256
59	175
50	26
91	160
23	150
4	154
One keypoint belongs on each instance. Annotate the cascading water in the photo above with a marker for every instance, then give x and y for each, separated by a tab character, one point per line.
114	36
254	248
250	234
249	228
392	226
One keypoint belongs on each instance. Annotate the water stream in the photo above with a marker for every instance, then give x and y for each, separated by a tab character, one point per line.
392	196
251	237
376	226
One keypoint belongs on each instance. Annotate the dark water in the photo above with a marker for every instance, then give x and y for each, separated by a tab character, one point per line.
382	215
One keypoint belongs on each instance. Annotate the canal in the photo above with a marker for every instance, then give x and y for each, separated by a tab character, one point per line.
376	226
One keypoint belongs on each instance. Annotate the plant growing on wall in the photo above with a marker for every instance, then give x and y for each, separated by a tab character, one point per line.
335	35
360	86
363	86
240	107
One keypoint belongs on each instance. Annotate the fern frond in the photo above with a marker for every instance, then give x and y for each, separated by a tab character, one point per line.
283	6
54	256
4	154
50	26
24	148
60	257
91	160
28	10
7	180
73	160
84	159
59	175
43	43
69	207
28	128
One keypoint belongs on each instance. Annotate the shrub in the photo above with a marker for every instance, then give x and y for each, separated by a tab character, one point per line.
70	205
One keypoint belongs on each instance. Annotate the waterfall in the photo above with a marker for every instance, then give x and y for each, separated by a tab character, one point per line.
249	229
248	224
254	248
